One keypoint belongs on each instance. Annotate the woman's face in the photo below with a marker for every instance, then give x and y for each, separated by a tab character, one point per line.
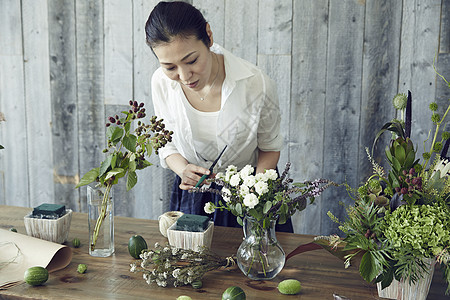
186	60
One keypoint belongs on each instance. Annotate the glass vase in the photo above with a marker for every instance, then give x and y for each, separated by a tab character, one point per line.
100	202
260	256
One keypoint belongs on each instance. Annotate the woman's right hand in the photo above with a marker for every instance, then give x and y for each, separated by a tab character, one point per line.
190	175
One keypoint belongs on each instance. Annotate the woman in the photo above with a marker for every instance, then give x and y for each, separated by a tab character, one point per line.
210	99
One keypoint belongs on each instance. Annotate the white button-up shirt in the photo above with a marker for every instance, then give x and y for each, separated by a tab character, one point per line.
249	117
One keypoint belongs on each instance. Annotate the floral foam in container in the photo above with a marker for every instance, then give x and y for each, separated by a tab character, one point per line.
50	229
192	240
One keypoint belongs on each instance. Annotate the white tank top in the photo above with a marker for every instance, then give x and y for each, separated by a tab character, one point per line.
204	131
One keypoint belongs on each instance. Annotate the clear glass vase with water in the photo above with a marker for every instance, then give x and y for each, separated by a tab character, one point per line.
100	202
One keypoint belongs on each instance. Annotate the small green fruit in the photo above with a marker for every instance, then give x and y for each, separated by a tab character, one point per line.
36	275
289	287
81	268
233	293
76	242
183	297
136	244
197	284
13	229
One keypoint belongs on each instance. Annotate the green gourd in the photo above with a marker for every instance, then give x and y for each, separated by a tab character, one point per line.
197	284
289	287
233	293
36	275
136	244
76	242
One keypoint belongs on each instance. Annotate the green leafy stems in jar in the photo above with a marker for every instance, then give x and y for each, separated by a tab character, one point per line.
127	150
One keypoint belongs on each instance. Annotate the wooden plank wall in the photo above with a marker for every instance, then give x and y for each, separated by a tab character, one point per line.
65	66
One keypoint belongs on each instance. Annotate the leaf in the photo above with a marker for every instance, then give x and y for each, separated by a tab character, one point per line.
143	164
1	147
132	166
105	165
129	141
131	180
267	206
256	214
388	153
386	277
239	220
149	149
116	135
367	267
114	172
395	127
284	208
282	218
113	161
400	154
89	177
127	126
238	208
109	132
396	164
409	161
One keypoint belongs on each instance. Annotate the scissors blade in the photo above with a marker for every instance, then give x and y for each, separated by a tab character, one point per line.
211	168
217	159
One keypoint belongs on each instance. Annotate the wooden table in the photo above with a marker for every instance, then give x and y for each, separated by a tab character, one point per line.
320	273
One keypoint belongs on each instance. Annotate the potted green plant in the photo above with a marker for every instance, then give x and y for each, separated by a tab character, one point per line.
399	225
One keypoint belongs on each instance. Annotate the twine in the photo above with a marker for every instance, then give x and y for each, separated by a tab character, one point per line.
4	264
168	219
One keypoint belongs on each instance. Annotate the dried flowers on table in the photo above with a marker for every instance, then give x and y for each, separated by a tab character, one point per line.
169	266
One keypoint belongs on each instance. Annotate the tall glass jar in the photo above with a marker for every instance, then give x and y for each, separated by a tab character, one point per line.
260	256
100	202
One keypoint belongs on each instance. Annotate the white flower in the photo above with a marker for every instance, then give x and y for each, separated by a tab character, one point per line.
231	169
209	209
226	194
271	174
220	175
260	177
246	171
244	190
261	187
235	180
176	273
132	268
250	200
249	181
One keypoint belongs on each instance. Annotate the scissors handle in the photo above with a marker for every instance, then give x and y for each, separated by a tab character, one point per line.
201	180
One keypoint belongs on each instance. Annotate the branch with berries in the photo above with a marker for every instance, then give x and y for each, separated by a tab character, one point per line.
127	151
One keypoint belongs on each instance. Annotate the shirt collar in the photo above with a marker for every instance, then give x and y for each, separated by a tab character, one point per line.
235	68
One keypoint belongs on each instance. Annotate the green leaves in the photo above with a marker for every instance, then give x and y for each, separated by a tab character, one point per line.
368	267
131	180
88	177
129	142
114	134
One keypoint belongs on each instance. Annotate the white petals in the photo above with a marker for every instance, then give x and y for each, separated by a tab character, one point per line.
251	200
209	208
235	180
250	181
271	174
261	187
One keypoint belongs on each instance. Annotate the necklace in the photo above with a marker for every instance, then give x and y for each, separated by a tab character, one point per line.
214	81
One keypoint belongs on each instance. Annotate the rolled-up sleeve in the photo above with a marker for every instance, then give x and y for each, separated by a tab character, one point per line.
162	112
